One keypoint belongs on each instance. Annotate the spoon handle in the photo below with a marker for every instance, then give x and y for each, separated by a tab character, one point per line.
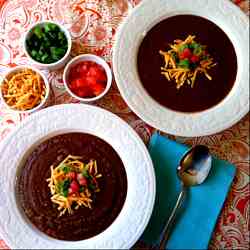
171	220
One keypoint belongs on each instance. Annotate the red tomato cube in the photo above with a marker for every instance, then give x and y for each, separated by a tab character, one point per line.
90	80
98	89
84	92
195	59
74	186
71	175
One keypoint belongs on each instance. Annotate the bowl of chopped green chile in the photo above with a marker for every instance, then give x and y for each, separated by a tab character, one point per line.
48	44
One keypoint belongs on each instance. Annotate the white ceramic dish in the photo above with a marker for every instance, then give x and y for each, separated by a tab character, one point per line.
138	206
47	86
93	58
223	13
51	66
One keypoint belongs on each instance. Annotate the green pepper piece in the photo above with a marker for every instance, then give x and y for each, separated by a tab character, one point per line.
65	193
47	27
91	186
85	173
40	53
38	32
204	57
52	35
44	57
33	53
174	56
53	26
184	64
182	47
65	168
65	187
37	58
194	45
197	51
61	36
57	53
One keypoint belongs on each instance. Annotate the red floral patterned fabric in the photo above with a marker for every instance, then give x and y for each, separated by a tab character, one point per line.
93	24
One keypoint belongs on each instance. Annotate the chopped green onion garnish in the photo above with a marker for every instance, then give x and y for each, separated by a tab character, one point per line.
184	64
85	173
182	47
65	168
92	186
197	51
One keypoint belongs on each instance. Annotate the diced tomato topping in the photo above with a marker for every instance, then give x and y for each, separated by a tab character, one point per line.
87	79
95	71
83	69
79	83
71	175
186	53
72	85
195	59
102	78
90	80
74	186
84	92
73	73
83	181
98	89
181	56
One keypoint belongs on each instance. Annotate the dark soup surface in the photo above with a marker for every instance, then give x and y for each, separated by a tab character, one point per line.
34	194
205	93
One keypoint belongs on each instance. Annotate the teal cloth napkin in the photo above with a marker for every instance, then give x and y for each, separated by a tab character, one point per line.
194	225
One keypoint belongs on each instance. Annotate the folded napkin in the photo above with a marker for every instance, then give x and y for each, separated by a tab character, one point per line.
195	223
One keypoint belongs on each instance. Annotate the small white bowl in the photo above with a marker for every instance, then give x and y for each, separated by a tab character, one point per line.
51	66
92	58
42	104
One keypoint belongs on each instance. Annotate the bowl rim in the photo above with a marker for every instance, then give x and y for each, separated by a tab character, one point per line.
62	28
46	83
93	58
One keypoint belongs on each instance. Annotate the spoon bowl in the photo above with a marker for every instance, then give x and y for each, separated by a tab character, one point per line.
195	166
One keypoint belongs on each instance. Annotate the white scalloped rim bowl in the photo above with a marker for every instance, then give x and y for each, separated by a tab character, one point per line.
51	66
42	104
135	214
91	58
224	14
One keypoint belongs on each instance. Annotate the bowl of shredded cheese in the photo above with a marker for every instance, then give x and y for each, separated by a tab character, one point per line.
24	89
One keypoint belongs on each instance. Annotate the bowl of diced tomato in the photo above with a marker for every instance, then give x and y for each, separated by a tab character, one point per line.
87	77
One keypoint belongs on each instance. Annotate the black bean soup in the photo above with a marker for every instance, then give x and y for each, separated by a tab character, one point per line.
205	93
34	195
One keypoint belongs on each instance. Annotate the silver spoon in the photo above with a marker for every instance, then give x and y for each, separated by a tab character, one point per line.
193	169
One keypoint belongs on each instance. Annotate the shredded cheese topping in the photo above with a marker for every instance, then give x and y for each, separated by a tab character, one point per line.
23	90
61	180
182	75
